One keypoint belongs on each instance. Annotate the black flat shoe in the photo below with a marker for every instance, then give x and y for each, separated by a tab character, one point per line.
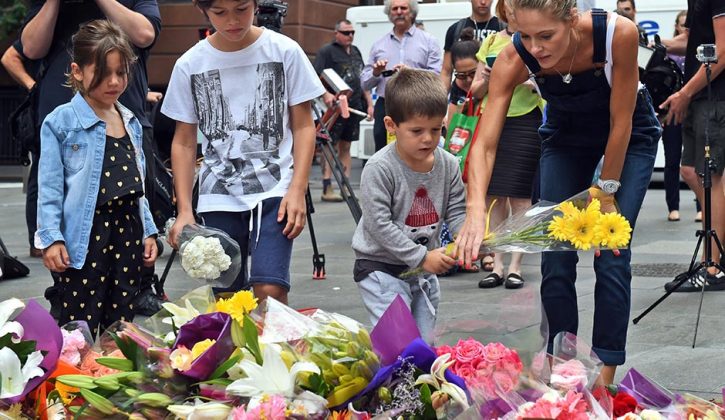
490	281
514	281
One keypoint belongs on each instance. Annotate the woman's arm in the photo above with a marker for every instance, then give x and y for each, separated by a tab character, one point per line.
510	72
623	97
479	86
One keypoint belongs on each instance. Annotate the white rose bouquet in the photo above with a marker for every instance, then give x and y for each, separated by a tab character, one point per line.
209	254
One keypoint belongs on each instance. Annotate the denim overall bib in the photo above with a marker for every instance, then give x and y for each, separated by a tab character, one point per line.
574	138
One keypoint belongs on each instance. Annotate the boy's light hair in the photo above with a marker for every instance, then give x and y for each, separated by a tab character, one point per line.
415	93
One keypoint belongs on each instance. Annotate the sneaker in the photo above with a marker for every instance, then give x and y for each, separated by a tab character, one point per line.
694	283
331	196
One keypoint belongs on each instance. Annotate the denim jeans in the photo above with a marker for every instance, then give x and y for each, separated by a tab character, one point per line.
565	171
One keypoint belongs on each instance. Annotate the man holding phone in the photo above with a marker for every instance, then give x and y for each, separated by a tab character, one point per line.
405	45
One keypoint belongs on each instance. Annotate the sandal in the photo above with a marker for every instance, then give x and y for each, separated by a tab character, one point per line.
514	281
490	281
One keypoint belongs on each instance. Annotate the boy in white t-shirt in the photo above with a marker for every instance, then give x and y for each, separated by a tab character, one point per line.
247	90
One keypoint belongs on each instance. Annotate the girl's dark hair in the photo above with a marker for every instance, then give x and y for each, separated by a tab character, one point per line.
92	44
207	4
466	47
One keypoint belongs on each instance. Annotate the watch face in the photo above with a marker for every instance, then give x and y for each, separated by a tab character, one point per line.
609	187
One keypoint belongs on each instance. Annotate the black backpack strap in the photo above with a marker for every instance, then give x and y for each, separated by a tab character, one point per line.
458	29
599	35
529	59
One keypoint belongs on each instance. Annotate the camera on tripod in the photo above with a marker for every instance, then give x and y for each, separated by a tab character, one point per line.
271	13
706	53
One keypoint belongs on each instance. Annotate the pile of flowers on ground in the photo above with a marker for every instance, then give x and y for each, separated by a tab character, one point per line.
227	359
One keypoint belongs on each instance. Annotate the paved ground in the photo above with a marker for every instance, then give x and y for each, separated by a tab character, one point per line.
660	346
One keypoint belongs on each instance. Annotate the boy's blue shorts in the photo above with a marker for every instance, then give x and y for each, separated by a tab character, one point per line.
271	251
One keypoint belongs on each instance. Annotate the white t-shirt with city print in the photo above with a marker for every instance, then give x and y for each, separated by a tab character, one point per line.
240	101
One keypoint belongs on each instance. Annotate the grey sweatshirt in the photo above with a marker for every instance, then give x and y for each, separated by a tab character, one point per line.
402	210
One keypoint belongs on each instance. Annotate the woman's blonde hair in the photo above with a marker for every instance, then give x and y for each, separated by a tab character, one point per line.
560	9
92	44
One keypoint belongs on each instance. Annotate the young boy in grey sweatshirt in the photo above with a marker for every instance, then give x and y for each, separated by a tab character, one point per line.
409	188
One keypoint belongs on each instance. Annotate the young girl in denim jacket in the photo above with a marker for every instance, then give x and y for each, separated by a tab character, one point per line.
94	224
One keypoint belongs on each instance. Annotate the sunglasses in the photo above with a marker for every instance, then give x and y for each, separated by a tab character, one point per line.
347	33
465	75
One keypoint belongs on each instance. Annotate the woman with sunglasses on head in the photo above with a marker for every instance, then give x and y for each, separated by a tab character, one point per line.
518	151
586	68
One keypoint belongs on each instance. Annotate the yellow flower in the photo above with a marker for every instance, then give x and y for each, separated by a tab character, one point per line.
559	227
240	304
594	207
612	231
581	229
568	209
200	347
181	358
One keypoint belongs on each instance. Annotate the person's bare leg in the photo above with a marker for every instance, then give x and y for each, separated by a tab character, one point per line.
606	376
518	205
343	152
499	212
262	291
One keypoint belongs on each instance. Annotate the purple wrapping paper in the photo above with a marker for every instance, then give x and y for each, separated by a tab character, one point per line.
42	328
216	326
646	392
395	330
422	356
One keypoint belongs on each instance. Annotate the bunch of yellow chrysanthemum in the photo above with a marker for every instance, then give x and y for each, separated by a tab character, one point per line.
588	227
240	304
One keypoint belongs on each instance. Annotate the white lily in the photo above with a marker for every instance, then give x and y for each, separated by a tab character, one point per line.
13	378
437	380
9	309
201	411
272	377
179	315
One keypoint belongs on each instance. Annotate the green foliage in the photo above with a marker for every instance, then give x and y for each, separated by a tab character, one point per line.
12	13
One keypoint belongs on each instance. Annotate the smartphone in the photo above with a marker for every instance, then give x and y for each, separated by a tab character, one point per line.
490	59
388	73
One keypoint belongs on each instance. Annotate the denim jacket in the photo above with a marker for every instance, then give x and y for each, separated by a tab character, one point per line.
73	143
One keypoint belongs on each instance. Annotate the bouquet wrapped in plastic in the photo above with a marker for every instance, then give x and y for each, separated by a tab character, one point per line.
209	254
577	223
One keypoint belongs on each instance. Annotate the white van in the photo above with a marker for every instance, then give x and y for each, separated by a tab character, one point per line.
370	23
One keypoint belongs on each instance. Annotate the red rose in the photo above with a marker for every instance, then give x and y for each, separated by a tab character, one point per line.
623	404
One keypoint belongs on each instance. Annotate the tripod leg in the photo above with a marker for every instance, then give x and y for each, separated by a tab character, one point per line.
708	262
318	260
680	279
330	155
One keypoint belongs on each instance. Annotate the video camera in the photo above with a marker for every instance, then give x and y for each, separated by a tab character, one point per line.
271	13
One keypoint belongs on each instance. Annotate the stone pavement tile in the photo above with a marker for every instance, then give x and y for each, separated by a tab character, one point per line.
679	367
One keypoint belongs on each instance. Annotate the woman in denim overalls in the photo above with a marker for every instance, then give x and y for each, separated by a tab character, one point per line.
586	68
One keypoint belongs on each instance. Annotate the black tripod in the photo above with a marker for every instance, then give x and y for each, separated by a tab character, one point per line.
707	234
324	140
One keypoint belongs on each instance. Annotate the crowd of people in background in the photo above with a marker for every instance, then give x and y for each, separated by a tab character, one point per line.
561	109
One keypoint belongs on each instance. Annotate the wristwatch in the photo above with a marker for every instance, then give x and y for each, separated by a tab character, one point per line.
609	186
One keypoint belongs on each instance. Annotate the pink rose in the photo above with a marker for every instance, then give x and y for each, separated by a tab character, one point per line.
464	370
445	349
569	375
468	351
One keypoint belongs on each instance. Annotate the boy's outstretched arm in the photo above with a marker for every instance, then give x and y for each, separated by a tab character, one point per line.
293	204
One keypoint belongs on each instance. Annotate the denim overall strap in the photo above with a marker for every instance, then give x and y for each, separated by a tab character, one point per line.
599	35
529	59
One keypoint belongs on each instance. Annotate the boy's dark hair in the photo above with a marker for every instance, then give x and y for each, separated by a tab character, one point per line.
466	47
92	44
631	1
206	4
413	92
